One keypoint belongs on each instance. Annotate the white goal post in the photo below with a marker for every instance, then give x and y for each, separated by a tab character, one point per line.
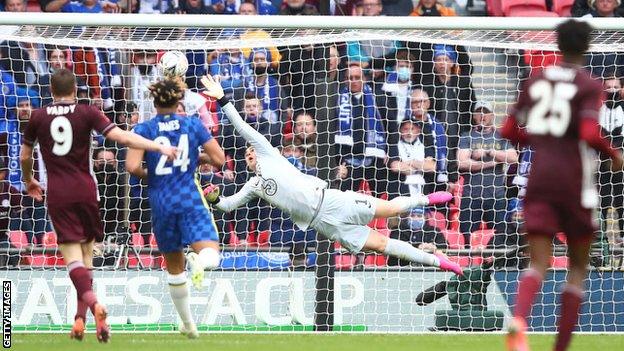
290	76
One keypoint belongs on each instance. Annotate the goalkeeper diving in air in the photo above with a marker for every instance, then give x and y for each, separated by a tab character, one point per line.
339	216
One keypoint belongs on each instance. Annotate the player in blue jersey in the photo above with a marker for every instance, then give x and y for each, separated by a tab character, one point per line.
180	214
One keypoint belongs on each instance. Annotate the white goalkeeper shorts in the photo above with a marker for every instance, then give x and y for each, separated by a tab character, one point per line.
343	217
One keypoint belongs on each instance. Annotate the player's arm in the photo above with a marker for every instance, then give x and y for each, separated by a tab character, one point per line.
509	155
230	203
213	154
511	129
257	140
135	141
134	163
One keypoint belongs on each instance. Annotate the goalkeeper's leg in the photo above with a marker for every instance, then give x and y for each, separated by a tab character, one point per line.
402	204
405	251
179	291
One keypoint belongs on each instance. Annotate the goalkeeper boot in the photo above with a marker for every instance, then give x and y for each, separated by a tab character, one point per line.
102	330
516	337
448	265
197	269
78	329
439	197
189	331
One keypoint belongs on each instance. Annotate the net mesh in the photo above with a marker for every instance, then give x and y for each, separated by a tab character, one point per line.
301	89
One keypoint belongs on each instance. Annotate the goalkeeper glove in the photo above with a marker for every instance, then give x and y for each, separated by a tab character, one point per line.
211	193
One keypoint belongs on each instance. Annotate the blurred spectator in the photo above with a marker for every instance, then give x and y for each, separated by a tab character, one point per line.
412	158
85	6
199	7
265	87
585	7
433	136
603	8
110	188
57	59
34	218
360	139
298	7
602	62
451	93
297	70
156	6
371	53
304	138
611	183
229	65
250	35
10	206
398	83
143	73
28	64
101	71
15	5
482	158
397	7
432	8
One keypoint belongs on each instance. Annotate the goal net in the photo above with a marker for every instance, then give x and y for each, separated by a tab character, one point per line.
385	112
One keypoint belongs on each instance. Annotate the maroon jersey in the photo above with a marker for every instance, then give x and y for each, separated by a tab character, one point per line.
551	109
63	131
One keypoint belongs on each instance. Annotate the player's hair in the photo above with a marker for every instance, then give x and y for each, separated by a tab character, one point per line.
573	37
63	82
167	91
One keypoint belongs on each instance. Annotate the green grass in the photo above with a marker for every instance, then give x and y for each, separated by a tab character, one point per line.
304	342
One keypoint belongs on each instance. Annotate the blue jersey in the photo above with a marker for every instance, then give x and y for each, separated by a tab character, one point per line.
173	187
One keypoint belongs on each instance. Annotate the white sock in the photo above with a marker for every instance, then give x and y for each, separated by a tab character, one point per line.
209	258
406	203
405	251
178	289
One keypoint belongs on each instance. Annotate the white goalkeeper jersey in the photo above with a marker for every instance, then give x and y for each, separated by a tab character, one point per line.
278	182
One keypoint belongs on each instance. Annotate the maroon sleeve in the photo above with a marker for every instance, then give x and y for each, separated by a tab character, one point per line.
513	132
30	133
99	122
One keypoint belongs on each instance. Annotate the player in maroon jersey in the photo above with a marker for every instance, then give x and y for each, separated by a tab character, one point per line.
63	131
557	115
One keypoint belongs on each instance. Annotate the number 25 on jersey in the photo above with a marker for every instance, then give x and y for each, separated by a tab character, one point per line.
181	161
551	113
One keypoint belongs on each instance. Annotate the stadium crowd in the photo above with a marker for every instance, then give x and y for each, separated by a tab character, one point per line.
380	116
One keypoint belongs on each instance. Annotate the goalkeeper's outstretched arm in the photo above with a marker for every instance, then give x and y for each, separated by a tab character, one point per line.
257	140
230	203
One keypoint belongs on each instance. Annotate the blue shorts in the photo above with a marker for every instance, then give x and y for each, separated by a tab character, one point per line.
174	231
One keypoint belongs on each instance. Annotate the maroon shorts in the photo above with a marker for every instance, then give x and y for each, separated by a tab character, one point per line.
548	218
77	222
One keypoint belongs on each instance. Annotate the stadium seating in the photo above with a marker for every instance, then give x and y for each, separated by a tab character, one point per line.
18	239
494	8
454	239
526	8
562	7
437	220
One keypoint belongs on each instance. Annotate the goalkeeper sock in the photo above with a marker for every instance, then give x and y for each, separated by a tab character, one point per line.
209	258
406	251
528	287
178	289
82	280
571	300
81	309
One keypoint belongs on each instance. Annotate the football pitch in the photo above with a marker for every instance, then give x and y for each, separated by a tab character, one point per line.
304	342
